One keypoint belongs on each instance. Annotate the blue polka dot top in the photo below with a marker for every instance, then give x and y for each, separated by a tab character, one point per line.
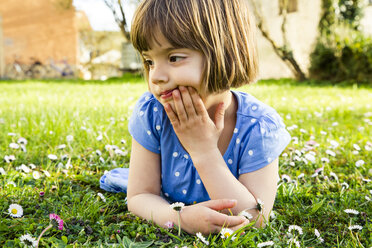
259	138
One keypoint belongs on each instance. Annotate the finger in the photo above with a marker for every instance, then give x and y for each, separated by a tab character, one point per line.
224	220
234	228
171	115
180	109
219	116
219	204
187	102
198	102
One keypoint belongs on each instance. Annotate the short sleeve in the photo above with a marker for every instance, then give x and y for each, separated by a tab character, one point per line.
145	122
266	141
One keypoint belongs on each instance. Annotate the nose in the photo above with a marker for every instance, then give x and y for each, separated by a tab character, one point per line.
158	74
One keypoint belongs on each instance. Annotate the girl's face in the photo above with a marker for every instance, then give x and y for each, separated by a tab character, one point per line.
171	67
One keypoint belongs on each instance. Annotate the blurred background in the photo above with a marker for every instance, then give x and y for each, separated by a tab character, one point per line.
89	39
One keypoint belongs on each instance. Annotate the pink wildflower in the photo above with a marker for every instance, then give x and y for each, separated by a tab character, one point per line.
57	219
169	224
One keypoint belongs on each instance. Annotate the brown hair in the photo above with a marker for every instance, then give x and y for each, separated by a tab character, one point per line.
222	30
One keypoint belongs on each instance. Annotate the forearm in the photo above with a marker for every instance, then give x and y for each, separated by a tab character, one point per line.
212	168
153	208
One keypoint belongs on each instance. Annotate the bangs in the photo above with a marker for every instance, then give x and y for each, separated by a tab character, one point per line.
171	18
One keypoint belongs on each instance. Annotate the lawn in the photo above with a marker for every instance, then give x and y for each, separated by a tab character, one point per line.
74	131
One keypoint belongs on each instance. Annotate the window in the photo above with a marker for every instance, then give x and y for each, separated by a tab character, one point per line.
291	6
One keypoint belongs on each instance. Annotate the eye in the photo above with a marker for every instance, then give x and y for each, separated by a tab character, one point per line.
148	62
175	58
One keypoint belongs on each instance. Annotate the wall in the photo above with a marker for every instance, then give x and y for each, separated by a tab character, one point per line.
2	64
301	33
38	29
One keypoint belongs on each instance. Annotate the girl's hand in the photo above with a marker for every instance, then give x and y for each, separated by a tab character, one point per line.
205	218
190	120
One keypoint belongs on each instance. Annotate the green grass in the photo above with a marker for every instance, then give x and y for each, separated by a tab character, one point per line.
45	113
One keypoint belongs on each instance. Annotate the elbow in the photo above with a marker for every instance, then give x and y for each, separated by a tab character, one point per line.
130	203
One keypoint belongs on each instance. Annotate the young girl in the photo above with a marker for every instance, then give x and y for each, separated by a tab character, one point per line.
194	140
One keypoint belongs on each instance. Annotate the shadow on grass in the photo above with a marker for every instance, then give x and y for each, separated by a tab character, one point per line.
126	78
139	78
317	83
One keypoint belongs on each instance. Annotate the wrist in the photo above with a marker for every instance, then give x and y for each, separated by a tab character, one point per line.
206	157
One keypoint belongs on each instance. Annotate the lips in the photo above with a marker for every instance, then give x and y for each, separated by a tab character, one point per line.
166	94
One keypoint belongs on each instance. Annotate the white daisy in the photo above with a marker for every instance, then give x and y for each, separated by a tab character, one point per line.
367	180
202	239
286	178
331	153
272	215
52	157
28	240
264	244
317	234
344	185
324	160
177	206
226	233
13	145
334	144
25	168
46	173
98	153
310	157
295	227
15	210
22	141
351	211
260	206
301	175
69	138
332	174
36	175
99	137
246	215
2	171
62	146
102	197
356	147
355	227
359	163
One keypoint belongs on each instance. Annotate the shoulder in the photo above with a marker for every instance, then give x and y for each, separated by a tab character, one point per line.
146	122
147	102
261	133
147	107
255	112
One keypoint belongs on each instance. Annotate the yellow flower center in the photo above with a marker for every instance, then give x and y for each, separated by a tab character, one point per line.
227	234
14	211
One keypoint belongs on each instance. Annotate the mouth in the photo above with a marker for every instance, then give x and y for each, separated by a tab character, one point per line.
167	94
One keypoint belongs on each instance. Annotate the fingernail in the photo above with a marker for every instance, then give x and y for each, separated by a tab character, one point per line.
233	201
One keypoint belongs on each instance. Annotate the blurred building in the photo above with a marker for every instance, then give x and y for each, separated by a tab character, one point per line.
39	30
